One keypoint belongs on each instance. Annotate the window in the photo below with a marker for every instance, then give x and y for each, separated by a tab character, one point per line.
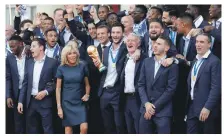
31	10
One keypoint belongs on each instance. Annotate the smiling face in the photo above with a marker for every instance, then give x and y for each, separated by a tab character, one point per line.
92	30
15	46
103	35
214	11
166	19
155	30
132	43
51	38
72	57
116	34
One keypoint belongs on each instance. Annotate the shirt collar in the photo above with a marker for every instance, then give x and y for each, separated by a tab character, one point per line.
41	59
204	56
159	61
141	23
129	56
220	20
108	44
51	49
198	21
188	37
111	48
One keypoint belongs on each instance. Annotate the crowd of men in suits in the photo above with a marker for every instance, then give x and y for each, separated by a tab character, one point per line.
163	69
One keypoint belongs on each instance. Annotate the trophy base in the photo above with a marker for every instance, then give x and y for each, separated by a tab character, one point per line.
102	68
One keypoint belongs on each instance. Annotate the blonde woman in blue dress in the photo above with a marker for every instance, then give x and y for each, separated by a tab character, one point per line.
72	76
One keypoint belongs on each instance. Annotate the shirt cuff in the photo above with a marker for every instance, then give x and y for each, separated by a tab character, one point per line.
96	21
46	92
176	61
146	103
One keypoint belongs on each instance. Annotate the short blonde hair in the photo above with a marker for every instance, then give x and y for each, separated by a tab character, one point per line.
69	47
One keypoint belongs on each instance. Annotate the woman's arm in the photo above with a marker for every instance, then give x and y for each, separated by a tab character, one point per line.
87	87
58	97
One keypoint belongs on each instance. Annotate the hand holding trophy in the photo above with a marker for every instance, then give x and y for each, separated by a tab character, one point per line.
93	53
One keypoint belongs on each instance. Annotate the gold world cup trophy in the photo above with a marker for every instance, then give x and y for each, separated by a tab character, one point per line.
93	53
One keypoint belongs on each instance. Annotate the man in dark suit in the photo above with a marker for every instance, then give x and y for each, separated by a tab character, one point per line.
95	119
37	89
204	89
15	69
129	80
157	85
195	11
215	28
186	54
170	15
110	86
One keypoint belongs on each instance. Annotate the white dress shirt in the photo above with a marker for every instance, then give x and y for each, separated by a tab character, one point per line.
38	65
129	76
158	64
21	67
197	65
111	71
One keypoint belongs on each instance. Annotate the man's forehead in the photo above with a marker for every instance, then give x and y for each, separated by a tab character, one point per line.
9	27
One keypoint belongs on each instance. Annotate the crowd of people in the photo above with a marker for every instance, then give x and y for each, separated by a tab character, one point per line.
137	71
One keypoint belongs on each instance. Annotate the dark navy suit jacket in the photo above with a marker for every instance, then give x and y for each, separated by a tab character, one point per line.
12	77
207	89
47	81
159	90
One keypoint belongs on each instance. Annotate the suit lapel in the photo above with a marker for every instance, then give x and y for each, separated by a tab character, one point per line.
182	44
189	75
137	65
120	51
150	69
99	49
159	72
189	45
203	65
105	55
14	63
44	67
31	70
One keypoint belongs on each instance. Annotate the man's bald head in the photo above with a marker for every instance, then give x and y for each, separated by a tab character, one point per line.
128	22
9	31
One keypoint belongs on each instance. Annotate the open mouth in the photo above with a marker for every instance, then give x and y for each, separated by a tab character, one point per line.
130	46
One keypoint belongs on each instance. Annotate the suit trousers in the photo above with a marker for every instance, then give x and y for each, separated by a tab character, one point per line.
36	112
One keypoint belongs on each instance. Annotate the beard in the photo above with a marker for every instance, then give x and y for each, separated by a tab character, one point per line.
154	37
167	23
